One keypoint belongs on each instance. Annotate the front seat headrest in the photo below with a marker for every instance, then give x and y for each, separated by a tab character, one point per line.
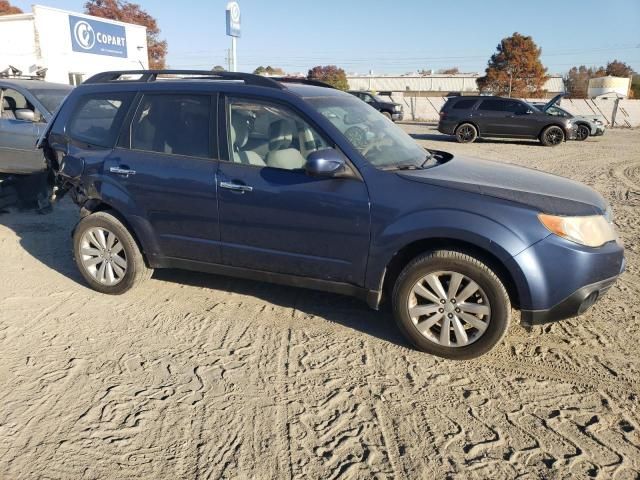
281	134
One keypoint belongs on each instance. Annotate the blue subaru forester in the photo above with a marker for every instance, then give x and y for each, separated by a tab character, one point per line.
294	182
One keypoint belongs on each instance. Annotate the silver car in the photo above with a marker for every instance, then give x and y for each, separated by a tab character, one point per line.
587	125
26	105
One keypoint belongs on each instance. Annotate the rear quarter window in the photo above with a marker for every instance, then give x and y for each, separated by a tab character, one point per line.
96	119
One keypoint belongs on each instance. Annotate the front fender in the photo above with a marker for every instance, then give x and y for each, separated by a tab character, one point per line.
482	232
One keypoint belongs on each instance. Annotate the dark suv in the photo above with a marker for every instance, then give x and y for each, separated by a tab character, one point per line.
386	106
243	175
469	118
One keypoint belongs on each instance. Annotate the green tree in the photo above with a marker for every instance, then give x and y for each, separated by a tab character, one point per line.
7	9
124	11
218	68
269	70
449	71
515	68
330	74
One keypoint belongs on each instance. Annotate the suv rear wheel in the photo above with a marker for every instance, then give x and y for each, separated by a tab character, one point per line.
107	255
466	133
450	304
552	136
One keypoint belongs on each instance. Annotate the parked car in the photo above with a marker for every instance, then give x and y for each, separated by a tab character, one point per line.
469	118
586	125
183	174
386	106
25	107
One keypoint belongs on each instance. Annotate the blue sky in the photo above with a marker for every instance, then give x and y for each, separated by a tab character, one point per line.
392	36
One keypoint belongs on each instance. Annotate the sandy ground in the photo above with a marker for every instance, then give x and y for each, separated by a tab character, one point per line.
197	376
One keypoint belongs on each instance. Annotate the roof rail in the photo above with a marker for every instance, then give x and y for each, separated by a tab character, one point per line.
151	76
304	81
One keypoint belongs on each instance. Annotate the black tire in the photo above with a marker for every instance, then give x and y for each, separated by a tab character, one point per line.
552	136
136	270
472	269
583	132
388	115
466	133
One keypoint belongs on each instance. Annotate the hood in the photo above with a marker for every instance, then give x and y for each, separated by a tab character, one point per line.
553	101
543	191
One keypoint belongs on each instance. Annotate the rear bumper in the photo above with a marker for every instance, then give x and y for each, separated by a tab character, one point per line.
448	128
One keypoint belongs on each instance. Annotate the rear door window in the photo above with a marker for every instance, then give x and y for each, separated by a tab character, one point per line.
96	119
492	105
176	124
464	104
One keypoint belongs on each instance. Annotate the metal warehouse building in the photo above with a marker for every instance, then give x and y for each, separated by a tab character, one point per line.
433	85
67	47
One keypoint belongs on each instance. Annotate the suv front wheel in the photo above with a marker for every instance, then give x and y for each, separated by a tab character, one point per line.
466	133
552	136
450	304
107	255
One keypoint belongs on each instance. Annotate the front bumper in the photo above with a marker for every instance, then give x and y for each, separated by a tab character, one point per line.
565	279
575	304
599	130
397	116
572	133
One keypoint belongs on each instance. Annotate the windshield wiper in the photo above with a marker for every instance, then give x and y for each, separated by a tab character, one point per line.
407	166
431	158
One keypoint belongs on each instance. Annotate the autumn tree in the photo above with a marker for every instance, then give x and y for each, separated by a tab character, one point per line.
331	75
269	70
7	9
619	69
449	71
576	80
124	11
515	68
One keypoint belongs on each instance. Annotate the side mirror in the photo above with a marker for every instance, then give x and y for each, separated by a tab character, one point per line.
25	115
325	163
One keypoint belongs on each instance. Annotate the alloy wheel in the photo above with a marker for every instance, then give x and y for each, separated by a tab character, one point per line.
103	256
582	133
554	136
466	133
449	309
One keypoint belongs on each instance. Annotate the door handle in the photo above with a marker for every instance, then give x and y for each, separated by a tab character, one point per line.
236	187
122	171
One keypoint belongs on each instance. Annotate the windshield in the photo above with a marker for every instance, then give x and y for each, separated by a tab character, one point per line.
380	141
50	98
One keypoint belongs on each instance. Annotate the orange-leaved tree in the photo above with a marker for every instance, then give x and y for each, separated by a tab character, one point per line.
125	11
515	69
331	75
7	9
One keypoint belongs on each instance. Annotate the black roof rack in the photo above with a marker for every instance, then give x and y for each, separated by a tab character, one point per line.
304	81
151	75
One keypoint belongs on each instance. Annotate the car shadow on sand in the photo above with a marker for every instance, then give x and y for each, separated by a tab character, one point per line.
438	137
48	239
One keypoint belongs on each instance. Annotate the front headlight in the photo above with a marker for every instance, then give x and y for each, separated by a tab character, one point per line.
397	108
592	231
